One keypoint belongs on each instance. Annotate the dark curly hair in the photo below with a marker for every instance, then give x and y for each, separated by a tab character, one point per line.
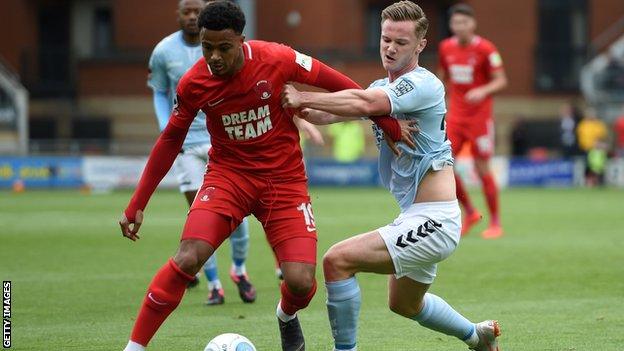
220	15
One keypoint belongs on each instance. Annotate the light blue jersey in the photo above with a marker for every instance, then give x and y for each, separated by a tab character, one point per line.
417	95
171	58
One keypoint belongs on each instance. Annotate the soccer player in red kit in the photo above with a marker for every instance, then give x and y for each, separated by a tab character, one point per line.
473	71
255	167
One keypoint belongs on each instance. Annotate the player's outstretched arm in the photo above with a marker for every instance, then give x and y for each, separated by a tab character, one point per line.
348	103
158	164
320	118
351	103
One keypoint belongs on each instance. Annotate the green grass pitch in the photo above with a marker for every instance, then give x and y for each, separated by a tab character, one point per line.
555	281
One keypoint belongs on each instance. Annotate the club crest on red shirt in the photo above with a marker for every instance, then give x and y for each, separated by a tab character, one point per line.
207	194
263	89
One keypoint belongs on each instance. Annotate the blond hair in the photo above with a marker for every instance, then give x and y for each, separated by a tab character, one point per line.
407	11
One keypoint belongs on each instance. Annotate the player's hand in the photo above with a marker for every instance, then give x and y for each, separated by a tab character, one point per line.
476	95
314	116
308	129
130	229
408	128
291	97
392	145
313	134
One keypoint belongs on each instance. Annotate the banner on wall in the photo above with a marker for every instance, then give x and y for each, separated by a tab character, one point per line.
41	172
332	173
547	173
107	173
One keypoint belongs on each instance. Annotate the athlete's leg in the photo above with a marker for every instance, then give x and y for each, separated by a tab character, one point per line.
190	166
239	241
458	139
190	196
489	189
297	257
363	253
483	149
216	294
410	299
203	233
240	247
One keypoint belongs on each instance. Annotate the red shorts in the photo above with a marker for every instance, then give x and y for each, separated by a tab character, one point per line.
282	207
480	135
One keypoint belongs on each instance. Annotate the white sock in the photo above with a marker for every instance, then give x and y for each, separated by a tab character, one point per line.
239	270
473	340
215	284
133	346
283	316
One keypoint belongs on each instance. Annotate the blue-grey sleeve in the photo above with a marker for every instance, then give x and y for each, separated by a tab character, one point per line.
163	107
158	79
412	93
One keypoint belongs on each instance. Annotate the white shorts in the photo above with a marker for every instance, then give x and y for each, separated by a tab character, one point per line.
425	234
190	167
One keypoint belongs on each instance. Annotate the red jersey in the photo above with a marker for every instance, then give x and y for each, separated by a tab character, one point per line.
249	129
468	67
619	131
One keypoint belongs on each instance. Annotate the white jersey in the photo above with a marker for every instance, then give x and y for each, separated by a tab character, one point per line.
417	95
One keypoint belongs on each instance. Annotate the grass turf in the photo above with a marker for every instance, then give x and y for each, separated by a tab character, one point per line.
555	281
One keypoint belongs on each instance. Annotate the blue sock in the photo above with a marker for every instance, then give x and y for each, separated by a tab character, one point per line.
438	315
210	268
343	307
239	241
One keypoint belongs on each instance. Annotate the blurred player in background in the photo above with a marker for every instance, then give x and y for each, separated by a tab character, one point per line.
171	58
256	167
473	71
428	228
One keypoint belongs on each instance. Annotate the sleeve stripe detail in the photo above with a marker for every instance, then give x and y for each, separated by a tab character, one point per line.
249	53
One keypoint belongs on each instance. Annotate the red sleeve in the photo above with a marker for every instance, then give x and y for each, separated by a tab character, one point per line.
297	67
332	80
159	162
329	79
163	154
304	69
493	57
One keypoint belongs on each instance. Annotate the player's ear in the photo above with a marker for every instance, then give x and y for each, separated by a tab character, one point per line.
242	38
421	45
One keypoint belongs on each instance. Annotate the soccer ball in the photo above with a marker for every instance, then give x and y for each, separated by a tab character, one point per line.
230	342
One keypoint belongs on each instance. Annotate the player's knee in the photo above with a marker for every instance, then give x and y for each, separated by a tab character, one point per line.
482	167
190	261
300	284
335	261
403	309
